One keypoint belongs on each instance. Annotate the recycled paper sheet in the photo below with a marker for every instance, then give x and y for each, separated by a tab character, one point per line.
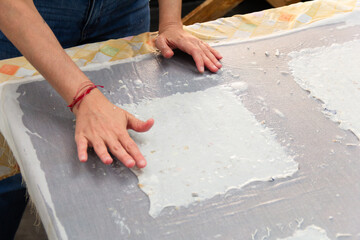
331	74
204	144
314	190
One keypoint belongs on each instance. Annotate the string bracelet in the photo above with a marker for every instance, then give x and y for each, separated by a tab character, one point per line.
84	89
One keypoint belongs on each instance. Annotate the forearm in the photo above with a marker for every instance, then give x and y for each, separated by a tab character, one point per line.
99	123
169	13
25	28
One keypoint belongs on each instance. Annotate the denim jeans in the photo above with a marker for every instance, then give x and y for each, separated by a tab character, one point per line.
76	22
12	205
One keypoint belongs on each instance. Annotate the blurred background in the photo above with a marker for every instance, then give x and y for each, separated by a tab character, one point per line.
246	6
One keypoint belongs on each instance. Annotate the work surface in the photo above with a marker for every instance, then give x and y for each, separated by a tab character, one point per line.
93	201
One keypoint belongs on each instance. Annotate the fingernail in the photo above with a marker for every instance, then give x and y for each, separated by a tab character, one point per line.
201	69
141	163
108	161
130	163
82	158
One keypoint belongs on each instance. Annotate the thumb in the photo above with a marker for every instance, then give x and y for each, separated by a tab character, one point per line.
138	125
163	47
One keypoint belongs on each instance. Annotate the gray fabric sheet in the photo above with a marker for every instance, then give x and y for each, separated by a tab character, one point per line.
324	192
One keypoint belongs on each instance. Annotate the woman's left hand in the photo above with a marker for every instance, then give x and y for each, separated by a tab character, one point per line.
173	36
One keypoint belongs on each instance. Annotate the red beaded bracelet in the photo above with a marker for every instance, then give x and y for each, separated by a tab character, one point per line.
81	93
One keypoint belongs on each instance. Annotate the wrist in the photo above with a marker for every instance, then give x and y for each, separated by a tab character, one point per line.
89	101
170	25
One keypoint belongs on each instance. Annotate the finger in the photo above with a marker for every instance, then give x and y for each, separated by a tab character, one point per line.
164	47
82	145
138	125
210	55
120	153
209	64
213	51
102	152
198	60
132	149
216	53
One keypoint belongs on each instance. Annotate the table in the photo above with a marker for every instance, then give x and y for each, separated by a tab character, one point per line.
79	201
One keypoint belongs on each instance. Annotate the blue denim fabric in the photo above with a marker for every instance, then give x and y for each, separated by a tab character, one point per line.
12	205
76	22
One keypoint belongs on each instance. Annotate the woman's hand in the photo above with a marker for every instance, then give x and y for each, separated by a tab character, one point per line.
173	36
103	126
99	123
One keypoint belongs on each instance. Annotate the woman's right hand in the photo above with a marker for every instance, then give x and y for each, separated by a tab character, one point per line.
99	123
103	126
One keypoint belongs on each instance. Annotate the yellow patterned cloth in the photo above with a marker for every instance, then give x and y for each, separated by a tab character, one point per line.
238	27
